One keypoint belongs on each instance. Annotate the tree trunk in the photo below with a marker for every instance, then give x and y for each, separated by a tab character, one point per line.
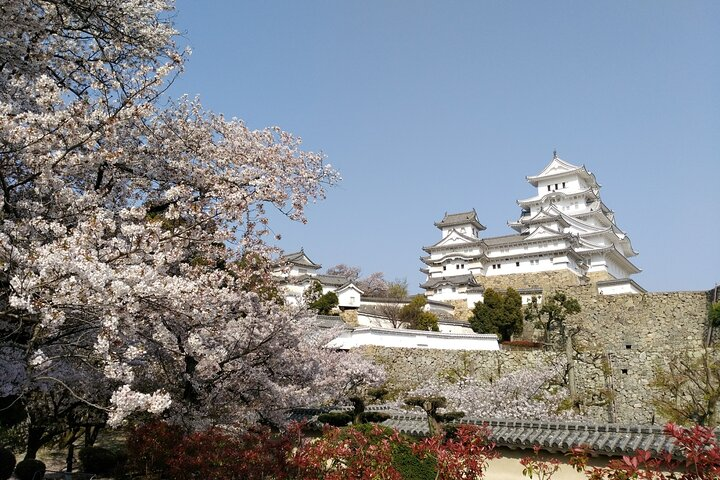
34	441
569	353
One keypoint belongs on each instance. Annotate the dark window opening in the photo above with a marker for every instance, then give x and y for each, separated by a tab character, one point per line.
624	371
517	264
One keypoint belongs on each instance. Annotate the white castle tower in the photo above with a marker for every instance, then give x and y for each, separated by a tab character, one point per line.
565	227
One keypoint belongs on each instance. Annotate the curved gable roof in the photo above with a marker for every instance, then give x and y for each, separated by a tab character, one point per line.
463	218
558	167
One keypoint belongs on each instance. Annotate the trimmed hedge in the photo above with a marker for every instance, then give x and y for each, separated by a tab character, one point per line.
98	460
30	469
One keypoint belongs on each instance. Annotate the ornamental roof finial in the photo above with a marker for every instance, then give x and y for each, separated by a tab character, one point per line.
555	154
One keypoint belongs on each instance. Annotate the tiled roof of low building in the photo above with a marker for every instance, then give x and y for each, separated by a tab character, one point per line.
602	439
467	279
599	439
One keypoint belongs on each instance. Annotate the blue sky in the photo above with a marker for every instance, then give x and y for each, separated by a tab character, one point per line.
428	107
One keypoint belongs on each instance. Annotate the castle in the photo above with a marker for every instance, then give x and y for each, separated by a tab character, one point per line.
565	232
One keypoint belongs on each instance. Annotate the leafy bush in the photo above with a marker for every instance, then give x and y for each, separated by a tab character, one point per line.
216	455
98	460
336	419
30	469
410	466
7	463
151	446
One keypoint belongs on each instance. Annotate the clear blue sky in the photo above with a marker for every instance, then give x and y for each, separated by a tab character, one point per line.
428	107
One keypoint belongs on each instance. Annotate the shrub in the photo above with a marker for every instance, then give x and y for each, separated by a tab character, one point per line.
30	469
7	463
336	419
151	446
216	455
98	460
410	466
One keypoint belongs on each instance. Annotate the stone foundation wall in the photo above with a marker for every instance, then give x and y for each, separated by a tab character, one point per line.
621	340
544	280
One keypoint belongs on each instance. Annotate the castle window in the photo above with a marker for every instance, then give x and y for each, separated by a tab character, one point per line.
556	186
517	264
563	184
548	188
444	267
624	371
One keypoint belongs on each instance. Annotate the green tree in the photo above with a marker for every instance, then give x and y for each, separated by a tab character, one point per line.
315	299
414	315
325	304
499	313
554	312
714	314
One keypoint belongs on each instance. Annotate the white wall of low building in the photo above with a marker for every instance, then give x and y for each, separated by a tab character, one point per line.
619	288
349	297
402	338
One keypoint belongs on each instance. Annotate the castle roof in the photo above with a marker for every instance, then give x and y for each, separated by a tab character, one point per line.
457	219
560	168
453	240
300	259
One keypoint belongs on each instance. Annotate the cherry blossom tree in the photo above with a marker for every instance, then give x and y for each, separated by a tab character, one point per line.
127	228
529	393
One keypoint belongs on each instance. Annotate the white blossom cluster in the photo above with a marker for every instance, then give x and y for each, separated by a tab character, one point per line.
134	273
528	393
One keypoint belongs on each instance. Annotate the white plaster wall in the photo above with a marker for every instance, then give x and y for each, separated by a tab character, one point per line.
454	328
618	289
403	338
349	298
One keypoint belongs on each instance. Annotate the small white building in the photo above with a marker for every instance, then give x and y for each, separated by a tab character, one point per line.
296	273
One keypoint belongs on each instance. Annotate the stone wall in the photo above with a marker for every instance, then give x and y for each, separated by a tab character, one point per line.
544	280
621	340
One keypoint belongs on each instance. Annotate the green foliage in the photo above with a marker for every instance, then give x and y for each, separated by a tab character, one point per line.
427	403
415	317
30	469
410	466
325	304
98	460
7	463
377	394
336	419
499	313
555	310
714	314
397	289
374	417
